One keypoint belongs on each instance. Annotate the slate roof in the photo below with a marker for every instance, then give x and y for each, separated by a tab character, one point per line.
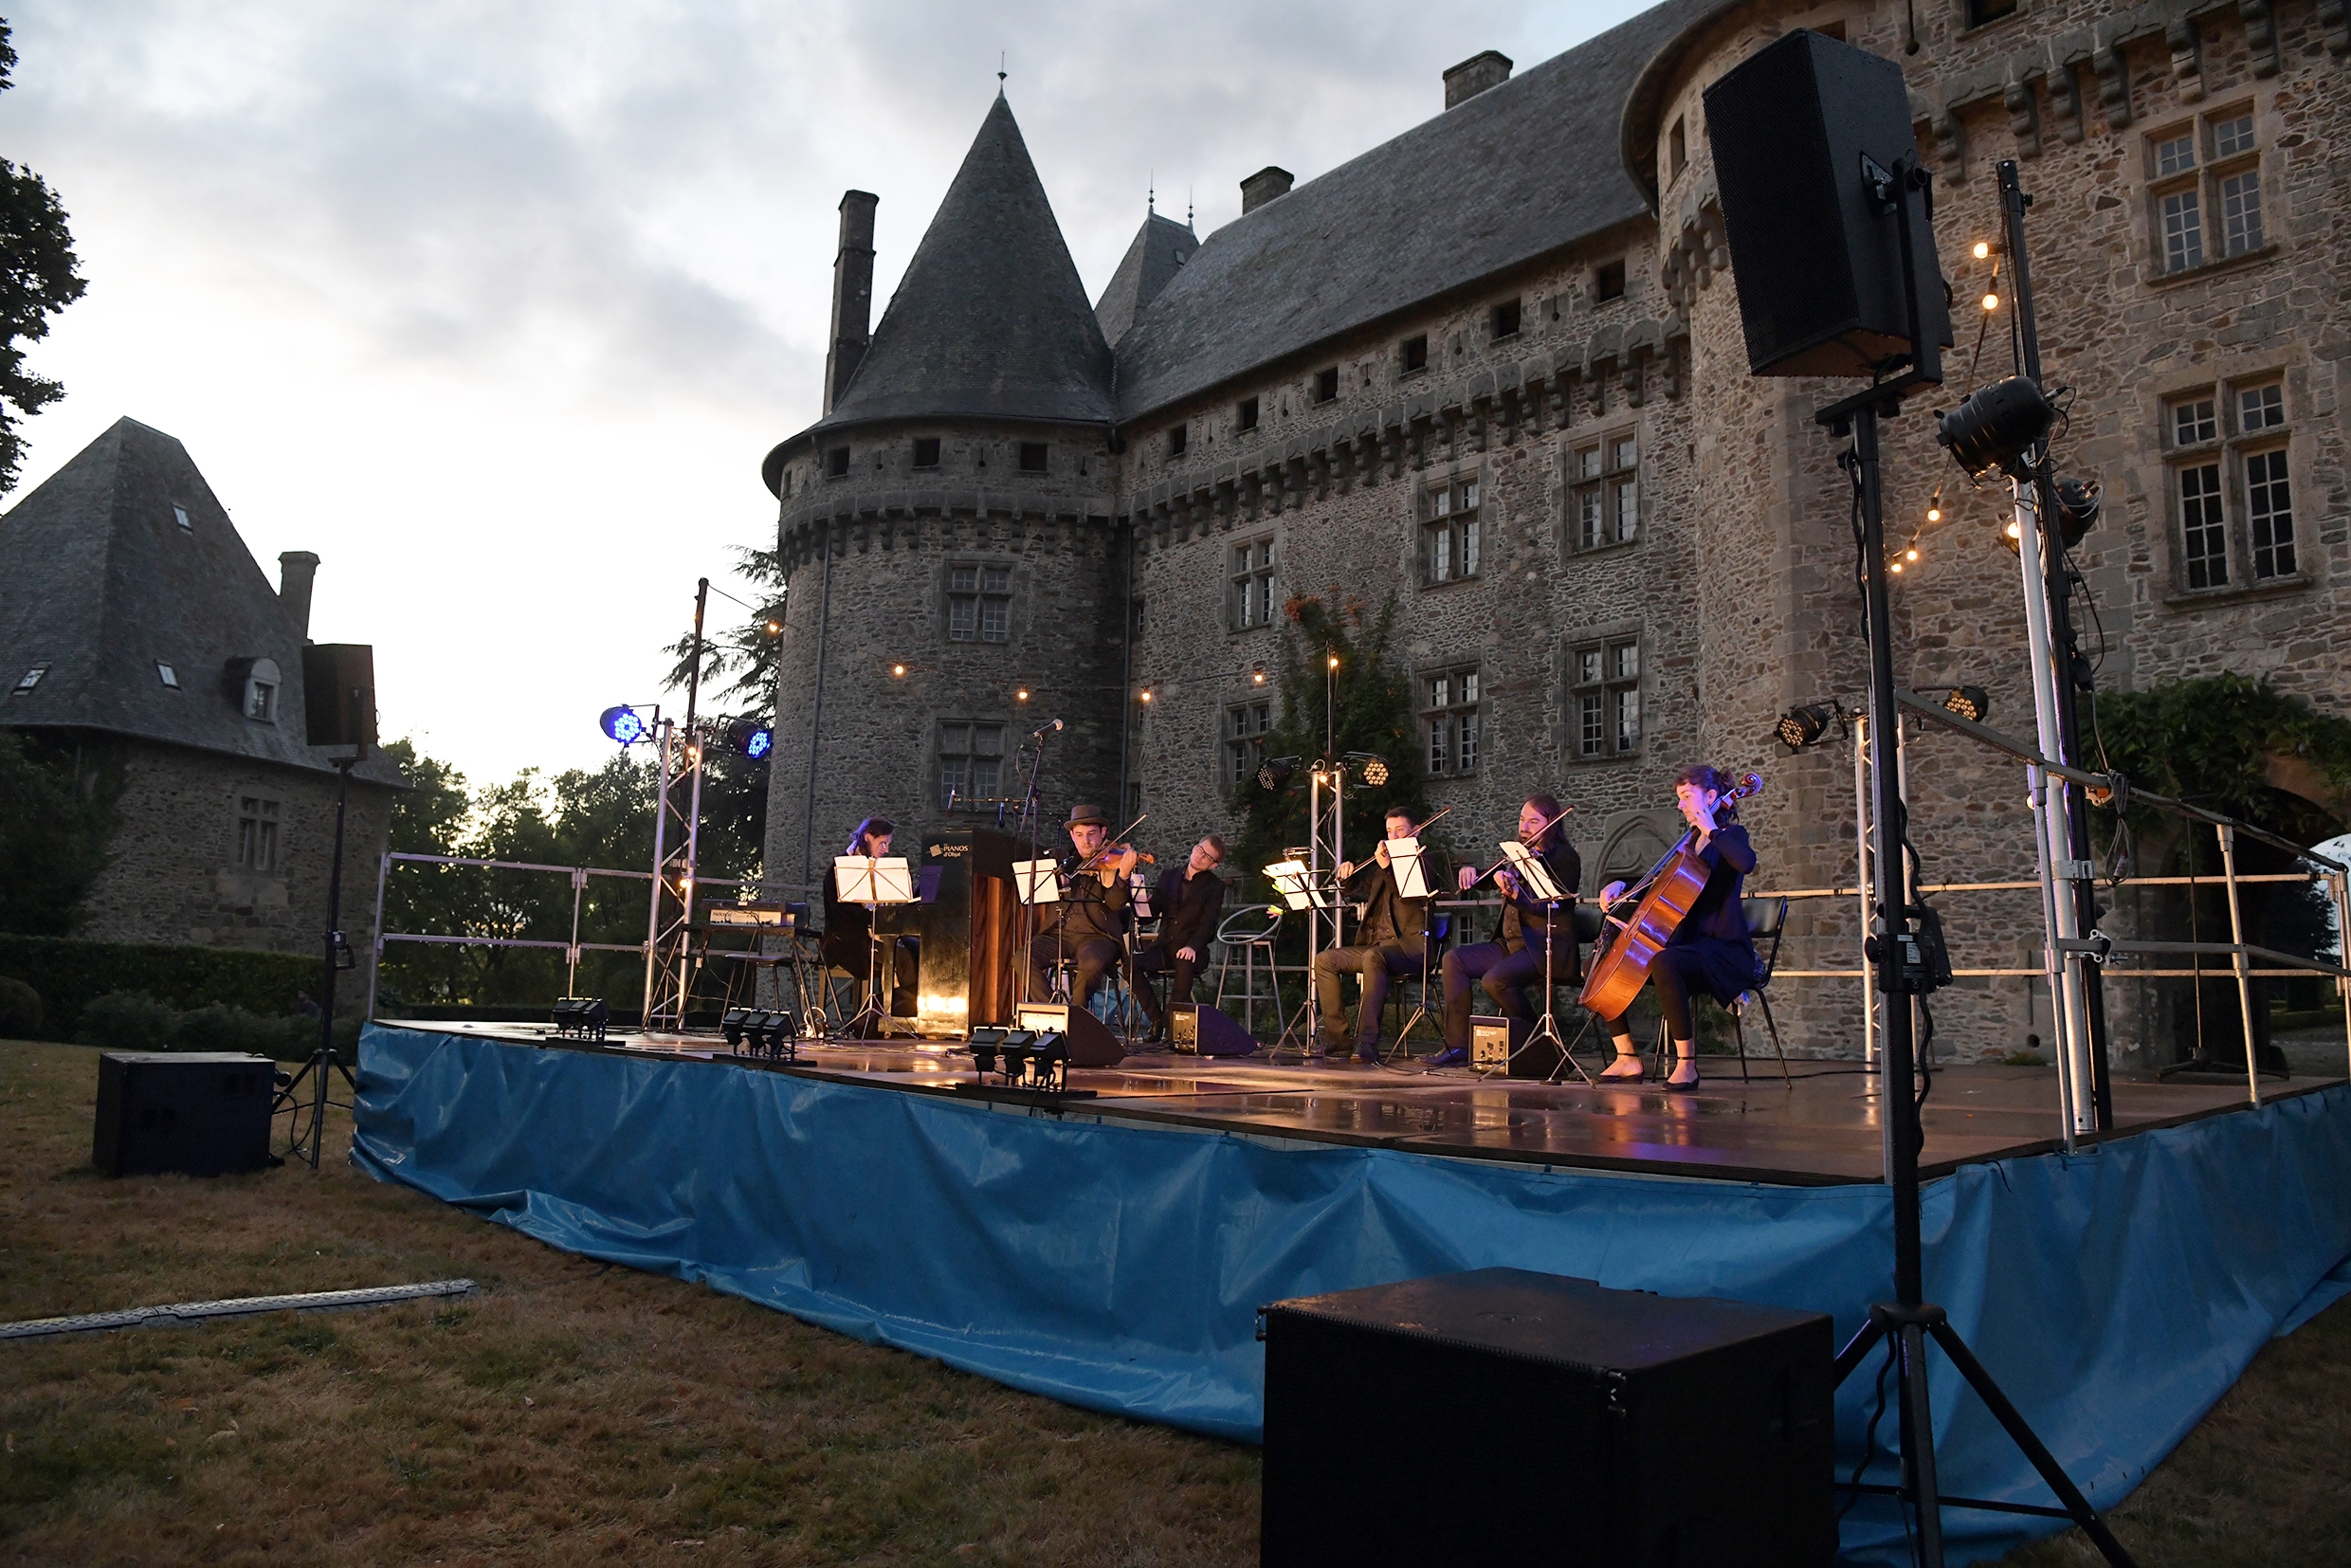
990	318
1161	246
1522	170
101	584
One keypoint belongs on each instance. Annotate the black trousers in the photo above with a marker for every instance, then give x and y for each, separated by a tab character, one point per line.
1505	973
1158	956
1375	967
1095	956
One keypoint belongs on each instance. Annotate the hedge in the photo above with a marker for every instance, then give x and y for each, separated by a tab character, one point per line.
71	972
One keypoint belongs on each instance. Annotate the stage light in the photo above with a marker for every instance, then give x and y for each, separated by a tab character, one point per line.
1373	767
1969	703
1806	726
1996	426
1276	772
1983	249
751	737
2077	509
733	1023
624	724
1990	302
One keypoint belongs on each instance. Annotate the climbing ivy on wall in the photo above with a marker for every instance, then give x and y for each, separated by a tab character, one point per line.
2210	741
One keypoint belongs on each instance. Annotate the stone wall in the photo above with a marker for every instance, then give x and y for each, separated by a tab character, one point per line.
175	877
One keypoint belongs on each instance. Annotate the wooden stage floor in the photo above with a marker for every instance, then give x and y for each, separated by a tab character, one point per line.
1822	1130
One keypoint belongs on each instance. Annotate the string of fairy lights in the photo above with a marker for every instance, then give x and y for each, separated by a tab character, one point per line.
1908	553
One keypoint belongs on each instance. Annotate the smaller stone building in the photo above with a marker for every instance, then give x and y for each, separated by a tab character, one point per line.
136	628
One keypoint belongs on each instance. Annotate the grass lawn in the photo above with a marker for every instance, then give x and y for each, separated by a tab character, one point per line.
574	1411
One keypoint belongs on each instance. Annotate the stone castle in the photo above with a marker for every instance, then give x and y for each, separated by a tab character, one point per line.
1495	368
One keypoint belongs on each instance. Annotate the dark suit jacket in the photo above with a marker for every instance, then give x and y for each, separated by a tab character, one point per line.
1388	915
1522	918
1188	907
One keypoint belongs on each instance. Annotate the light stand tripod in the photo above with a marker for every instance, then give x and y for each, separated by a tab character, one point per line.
303	1142
1893	947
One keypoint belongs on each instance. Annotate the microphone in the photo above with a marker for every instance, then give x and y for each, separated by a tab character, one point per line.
1039	734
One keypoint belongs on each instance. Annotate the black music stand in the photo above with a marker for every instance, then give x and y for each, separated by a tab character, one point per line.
1529	869
883	883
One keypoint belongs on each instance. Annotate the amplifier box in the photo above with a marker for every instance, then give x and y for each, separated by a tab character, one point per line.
197	1113
1493	1040
1558	1422
1198	1029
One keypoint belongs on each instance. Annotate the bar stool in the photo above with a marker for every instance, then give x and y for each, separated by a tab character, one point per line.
1249	928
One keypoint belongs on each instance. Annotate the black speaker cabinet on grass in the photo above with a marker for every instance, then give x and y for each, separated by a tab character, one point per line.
1795	129
200	1113
1545	1421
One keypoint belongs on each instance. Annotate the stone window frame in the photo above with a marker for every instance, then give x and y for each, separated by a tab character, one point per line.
1610	279
1034	456
1605	694
264	683
960	753
926	459
1242	741
1326	384
1413	355
2216	458
260	844
1600	487
1178	439
1448	698
987	597
1451	542
2208	177
836	463
1506	319
1967	17
1246	414
1252	585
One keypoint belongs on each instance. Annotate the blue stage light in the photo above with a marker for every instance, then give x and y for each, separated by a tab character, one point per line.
622	724
751	737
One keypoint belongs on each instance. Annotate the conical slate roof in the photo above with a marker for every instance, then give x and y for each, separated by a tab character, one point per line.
105	584
1161	246
990	319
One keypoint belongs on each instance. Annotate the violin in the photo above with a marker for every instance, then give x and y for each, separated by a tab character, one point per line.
1115	847
1540	833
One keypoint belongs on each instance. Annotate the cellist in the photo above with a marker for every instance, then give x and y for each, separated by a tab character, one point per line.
1710	950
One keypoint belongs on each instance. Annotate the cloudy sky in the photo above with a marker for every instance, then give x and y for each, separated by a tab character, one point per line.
496	307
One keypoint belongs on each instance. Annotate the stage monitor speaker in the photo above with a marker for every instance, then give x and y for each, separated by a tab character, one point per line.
1816	261
197	1113
1091	1043
339	694
1564	1419
1198	1029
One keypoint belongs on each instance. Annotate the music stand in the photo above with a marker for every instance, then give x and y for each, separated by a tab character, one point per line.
1532	874
1294	881
1404	859
858	879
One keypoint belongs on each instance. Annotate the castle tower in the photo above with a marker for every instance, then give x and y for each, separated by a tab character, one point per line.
953	582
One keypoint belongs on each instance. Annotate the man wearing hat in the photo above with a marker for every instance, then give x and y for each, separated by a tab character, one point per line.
1090	922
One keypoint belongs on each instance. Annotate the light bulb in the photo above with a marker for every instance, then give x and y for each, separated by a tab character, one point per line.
2014	530
1983	249
1992	301
1910	554
1895	569
1146	694
1934	514
1021	696
896	671
1334	660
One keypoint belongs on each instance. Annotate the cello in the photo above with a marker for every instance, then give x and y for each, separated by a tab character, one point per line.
1621	968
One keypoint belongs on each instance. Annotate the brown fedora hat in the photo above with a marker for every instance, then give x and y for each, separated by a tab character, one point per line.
1081	814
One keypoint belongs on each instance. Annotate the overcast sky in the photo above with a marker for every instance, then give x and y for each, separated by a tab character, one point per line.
496	307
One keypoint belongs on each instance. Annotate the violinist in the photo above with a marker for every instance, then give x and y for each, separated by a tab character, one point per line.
849	927
1392	941
1091	926
1189	898
1515	961
1710	950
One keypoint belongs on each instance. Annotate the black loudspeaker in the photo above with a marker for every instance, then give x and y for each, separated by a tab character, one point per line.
1091	1043
1204	1031
199	1113
1816	258
339	694
1557	1423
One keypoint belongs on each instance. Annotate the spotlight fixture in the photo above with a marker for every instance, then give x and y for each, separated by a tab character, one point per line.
582	1017
2077	509
1372	768
1969	703
752	738
1275	771
624	724
1996	426
1805	726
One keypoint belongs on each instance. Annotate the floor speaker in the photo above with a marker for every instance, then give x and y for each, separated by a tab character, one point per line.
1091	1043
1816	259
1555	1421
197	1113
1203	1031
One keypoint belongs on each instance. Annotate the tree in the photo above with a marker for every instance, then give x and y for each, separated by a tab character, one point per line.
747	651
54	832
37	278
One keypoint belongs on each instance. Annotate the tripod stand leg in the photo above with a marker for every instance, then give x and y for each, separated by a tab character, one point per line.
2029	1441
1918	1443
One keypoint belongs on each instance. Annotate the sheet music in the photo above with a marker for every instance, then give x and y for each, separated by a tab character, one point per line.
1037	880
1404	859
1532	873
1289	879
858	880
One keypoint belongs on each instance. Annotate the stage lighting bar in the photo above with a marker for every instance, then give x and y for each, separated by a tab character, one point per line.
1996	426
583	1016
2077	509
733	1023
986	1042
752	738
625	724
1374	768
1970	702
1276	772
1809	725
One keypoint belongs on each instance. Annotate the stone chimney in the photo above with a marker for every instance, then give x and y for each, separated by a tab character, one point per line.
852	293
1474	75
295	569
1263	186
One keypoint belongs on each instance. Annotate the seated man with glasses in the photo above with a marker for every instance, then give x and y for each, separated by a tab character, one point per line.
1189	898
